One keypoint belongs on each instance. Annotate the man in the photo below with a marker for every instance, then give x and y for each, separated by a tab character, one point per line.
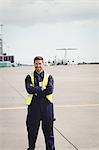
40	86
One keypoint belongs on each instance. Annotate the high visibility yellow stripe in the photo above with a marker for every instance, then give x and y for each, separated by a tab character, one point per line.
45	82
29	97
32	78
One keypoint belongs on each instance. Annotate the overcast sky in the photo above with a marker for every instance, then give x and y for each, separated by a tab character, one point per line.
39	27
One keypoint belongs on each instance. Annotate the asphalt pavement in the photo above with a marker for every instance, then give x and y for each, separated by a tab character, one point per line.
76	104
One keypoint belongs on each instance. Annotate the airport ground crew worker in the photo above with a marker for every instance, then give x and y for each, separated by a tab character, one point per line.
39	86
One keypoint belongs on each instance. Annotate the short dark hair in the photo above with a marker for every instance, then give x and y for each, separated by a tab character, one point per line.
38	58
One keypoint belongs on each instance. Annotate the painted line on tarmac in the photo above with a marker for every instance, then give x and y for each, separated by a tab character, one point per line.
56	106
83	105
12	108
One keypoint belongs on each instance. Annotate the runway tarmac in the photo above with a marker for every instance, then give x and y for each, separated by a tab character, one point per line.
76	104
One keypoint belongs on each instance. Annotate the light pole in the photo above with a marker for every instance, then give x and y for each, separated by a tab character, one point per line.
1	41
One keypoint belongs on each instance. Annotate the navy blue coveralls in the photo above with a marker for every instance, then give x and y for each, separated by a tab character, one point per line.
40	109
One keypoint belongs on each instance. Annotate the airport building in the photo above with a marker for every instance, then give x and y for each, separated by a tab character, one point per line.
4	57
5	60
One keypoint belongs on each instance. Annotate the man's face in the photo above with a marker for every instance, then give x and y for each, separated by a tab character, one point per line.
38	66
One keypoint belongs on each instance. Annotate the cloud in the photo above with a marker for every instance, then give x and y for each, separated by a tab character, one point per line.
29	12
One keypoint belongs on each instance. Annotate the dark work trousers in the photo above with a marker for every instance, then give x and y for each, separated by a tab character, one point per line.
40	110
